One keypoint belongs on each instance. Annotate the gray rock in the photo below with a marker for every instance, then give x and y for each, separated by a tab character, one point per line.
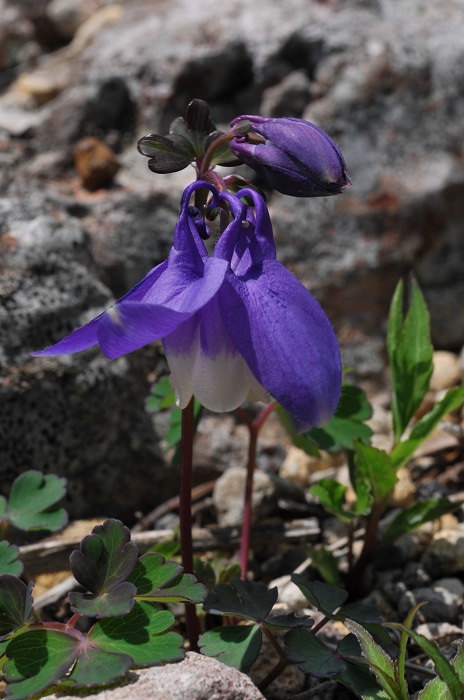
81	417
444	601
288	98
195	678
441	632
415	576
229	493
445	554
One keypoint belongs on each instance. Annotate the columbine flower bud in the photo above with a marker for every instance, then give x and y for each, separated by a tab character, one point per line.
291	155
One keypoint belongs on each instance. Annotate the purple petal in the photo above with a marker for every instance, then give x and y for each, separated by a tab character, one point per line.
287	341
81	339
86	337
182	289
177	296
131	325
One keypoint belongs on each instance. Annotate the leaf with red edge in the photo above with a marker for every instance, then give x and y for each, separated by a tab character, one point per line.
15	603
105	558
160	580
37	659
143	634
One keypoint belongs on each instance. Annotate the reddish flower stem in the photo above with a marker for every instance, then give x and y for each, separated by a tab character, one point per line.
248	501
253	428
185	515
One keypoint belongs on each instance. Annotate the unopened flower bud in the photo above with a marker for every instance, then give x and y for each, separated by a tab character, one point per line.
291	155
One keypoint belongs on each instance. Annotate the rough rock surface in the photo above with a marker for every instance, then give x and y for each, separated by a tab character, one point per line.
195	678
384	79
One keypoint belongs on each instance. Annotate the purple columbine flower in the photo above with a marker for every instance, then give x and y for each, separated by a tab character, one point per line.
235	325
291	155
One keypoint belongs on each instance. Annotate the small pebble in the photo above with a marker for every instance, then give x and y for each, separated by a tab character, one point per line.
95	162
446	370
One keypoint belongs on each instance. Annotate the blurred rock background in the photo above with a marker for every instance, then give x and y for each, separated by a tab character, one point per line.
82	219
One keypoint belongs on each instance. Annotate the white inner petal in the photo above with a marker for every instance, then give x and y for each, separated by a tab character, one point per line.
220	383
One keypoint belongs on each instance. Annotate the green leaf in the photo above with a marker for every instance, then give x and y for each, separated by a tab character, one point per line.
168	549
15	603
97	667
142	634
37	659
323	597
9	562
410	351
442	666
437	689
401	662
288	621
249	599
373	470
357	676
162	396
302	441
379	662
332	496
175	424
324	561
3	508
33	499
118	601
105	558
311	655
236	646
167	154
364	613
347	423
227	574
402	451
417	514
204	573
158	580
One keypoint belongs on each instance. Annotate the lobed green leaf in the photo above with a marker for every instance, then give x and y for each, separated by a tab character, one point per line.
9	562
236	646
37	659
97	667
105	558
311	655
249	599
322	596
143	634
118	601
158	580
33	499
15	603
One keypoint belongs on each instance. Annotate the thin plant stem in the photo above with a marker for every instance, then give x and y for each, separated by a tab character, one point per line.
185	516
272	675
281	664
253	428
367	552
320	625
248	501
